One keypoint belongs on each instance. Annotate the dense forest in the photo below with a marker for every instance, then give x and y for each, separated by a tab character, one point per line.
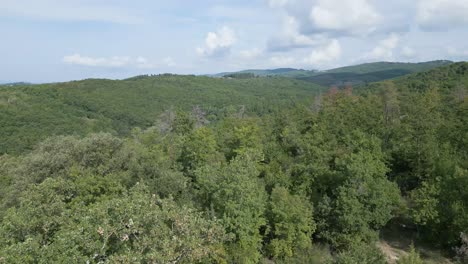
186	169
31	113
355	75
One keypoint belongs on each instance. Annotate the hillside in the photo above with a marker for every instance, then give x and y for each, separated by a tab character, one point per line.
370	72
355	75
373	175
29	114
284	72
448	80
386	66
14	83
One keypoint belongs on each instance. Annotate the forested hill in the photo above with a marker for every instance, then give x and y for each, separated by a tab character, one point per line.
451	78
355	75
284	72
370	72
32	113
289	178
385	66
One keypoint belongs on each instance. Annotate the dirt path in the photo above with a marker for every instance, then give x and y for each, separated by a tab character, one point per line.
395	251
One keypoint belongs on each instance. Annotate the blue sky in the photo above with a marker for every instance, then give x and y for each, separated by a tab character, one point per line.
57	40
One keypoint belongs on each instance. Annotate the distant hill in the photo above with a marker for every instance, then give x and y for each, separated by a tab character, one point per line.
448	79
355	75
29	114
14	83
284	72
342	78
370	72
386	66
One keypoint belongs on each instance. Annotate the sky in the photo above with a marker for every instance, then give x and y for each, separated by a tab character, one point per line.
57	40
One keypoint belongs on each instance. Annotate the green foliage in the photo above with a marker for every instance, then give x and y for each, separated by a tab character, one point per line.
425	203
316	254
381	66
237	196
412	258
191	169
111	230
242	75
291	223
199	148
361	253
363	203
30	114
356	75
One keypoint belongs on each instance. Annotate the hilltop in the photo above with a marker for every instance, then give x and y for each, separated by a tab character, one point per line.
354	75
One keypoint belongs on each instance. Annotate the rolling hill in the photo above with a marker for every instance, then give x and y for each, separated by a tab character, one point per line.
31	113
370	72
356	172
28	114
447	79
284	72
385	66
355	75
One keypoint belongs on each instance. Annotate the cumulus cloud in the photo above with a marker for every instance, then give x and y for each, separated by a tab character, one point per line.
324	54
218	43
309	23
291	38
442	14
356	17
337	17
385	49
282	61
115	61
251	53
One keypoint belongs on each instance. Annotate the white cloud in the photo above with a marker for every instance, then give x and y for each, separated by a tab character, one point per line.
385	49
111	62
281	61
408	52
218	43
142	63
277	3
251	54
115	61
168	61
356	17
291	38
325	54
454	52
442	14
72	10
309	23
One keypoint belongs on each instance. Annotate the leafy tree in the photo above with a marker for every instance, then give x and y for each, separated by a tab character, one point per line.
291	222
363	203
200	148
115	229
236	195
